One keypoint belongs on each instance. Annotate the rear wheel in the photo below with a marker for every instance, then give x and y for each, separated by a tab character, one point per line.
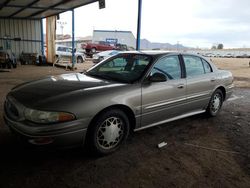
8	63
79	59
108	132
215	103
93	50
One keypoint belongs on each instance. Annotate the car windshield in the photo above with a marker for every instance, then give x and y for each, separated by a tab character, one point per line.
125	68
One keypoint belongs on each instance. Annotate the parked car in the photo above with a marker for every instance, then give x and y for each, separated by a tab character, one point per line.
243	56
64	51
92	48
7	59
104	55
228	55
130	91
121	47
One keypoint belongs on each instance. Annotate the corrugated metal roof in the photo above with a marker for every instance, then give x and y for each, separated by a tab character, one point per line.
37	9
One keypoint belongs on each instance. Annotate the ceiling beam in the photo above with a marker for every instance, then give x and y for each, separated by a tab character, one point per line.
4	4
64	10
48	8
35	7
27	6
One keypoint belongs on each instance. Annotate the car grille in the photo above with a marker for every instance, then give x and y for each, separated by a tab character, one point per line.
11	110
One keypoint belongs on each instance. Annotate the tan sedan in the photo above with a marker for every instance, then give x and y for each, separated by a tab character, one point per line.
128	91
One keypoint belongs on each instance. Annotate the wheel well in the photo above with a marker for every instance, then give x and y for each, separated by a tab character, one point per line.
124	108
79	57
223	90
93	48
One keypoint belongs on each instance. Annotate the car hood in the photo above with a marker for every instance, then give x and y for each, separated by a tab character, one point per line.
39	91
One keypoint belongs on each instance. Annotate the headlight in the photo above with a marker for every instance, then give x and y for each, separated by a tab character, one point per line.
38	116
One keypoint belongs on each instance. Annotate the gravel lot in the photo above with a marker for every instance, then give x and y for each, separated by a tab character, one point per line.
201	151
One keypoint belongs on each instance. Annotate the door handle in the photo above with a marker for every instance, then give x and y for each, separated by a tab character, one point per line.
180	86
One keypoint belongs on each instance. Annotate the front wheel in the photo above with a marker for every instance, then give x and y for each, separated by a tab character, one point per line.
108	132
215	103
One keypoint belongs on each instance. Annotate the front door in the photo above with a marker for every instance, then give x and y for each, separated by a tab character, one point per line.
163	100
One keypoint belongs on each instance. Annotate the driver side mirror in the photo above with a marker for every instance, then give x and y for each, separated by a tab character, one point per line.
158	77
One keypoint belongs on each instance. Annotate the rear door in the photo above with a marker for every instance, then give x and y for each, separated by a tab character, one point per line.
201	81
163	100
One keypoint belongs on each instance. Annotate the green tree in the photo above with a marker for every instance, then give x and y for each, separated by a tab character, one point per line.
213	47
220	46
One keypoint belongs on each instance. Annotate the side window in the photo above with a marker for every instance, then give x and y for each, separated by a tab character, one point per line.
207	67
169	66
60	49
194	65
115	64
63	49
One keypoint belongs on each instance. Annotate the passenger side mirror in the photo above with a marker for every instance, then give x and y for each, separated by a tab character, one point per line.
158	77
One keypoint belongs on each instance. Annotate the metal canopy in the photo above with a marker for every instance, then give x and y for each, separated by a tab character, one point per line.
38	9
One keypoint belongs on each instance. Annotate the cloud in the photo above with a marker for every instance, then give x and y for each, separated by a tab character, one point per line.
193	22
223	9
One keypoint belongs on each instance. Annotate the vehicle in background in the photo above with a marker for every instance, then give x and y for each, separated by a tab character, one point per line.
7	59
65	51
104	55
208	55
127	92
92	48
121	47
243	56
229	55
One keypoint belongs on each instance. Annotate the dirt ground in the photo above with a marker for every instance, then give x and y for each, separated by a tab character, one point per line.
240	67
201	151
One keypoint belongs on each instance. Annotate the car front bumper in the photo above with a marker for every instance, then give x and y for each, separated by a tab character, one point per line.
62	135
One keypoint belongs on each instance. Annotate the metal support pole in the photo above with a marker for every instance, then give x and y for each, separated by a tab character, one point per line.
138	38
73	38
42	40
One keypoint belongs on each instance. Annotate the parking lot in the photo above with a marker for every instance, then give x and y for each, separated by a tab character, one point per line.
200	151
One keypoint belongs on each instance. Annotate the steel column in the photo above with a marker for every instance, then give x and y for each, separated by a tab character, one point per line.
73	38
42	41
138	38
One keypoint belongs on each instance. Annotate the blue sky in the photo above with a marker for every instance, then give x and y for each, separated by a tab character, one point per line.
194	23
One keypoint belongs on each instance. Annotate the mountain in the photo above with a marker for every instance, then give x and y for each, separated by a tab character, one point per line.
147	45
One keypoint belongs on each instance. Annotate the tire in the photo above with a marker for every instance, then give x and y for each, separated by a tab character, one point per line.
79	59
14	65
107	133
8	64
215	103
93	50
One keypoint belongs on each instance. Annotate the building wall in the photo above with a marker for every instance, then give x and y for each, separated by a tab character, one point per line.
28	30
123	37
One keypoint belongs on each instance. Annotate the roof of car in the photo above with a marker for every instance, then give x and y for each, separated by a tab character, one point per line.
161	53
151	52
